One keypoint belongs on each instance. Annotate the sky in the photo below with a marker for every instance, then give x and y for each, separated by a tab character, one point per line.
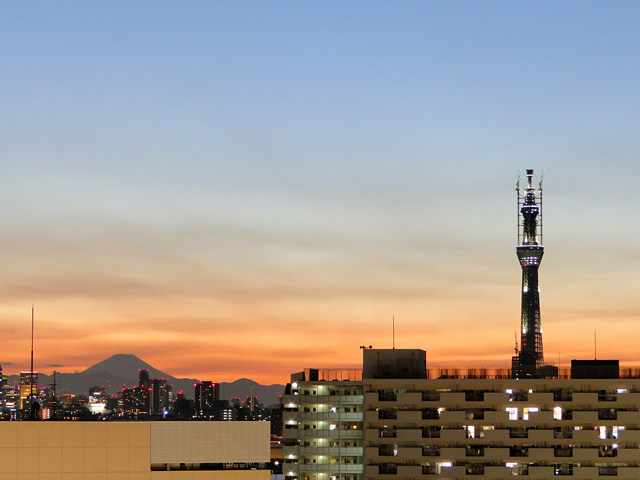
248	189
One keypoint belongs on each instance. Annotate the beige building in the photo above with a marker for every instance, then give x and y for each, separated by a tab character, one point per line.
323	436
47	450
455	428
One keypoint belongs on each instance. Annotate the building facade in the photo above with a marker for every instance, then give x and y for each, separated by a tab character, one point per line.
492	427
323	436
134	450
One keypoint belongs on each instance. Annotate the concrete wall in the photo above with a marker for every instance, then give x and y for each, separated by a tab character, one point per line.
197	442
124	451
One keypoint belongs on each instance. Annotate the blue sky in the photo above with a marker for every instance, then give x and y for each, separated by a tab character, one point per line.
174	171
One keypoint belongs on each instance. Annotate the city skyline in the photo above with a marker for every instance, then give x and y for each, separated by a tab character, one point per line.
219	188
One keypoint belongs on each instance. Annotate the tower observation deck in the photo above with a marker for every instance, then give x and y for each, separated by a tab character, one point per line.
530	359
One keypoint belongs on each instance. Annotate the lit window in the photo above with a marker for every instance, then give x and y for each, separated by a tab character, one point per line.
622	390
557	413
513	413
526	411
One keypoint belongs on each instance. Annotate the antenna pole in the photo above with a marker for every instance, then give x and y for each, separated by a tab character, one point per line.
31	376
393	338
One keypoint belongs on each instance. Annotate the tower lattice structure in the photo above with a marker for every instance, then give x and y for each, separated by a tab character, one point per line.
530	250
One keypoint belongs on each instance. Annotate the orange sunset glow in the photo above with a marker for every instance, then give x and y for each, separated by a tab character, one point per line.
231	191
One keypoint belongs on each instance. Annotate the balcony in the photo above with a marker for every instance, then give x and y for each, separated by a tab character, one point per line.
607	414
608	471
431	451
430	396
474	469
607	396
331	468
474	451
429	470
516	451
387	395
431	432
430	414
387	469
326	433
474	395
562	451
562	395
518	432
387	414
334	451
563	432
607	451
563	469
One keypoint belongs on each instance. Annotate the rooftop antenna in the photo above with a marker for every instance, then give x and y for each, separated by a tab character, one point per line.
394	331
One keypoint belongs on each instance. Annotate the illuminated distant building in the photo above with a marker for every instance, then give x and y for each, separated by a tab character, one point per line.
160	396
206	395
135	400
143	378
97	400
27	389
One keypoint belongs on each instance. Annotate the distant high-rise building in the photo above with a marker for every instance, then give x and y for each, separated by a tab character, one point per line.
206	393
28	388
143	378
160	396
135	400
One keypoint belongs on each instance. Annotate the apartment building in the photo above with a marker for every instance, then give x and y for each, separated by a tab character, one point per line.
323	426
453	428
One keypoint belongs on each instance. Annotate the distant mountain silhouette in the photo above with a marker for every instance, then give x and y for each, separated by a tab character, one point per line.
121	370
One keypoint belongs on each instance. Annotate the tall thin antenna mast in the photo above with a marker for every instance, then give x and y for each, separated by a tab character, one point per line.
31	378
394	331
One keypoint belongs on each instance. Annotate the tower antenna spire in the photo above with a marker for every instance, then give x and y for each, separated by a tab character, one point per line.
527	362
